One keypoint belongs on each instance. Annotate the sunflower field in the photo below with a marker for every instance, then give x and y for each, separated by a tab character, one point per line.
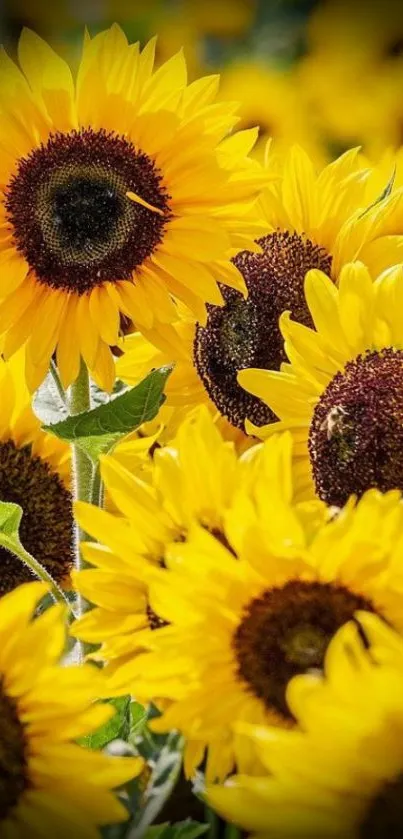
201	419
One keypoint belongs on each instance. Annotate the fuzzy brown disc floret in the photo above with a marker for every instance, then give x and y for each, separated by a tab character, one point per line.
286	632
245	332
46	528
70	215
13	757
356	433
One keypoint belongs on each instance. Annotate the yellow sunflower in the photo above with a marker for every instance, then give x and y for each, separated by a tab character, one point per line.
34	473
120	190
341	395
249	609
194	478
341	776
312	221
49	785
270	98
353	51
184	389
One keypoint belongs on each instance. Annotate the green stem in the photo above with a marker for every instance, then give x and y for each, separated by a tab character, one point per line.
18	550
211	818
232	831
56	378
80	401
97	490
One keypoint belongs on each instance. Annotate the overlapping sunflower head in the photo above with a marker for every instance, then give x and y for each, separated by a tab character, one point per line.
339	773
340	394
49	784
121	189
34	473
192	479
313	220
250	607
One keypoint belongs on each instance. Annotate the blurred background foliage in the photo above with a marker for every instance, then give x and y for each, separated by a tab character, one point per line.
327	74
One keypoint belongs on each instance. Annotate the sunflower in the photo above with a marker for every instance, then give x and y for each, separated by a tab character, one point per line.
194	478
49	785
249	608
121	190
184	391
345	44
312	221
341	395
270	98
340	777
34	473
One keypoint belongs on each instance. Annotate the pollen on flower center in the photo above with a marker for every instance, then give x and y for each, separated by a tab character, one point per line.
46	528
286	632
385	814
70	214
356	433
245	333
13	763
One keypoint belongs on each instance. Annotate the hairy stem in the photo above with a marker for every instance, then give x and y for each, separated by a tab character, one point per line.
80	401
15	547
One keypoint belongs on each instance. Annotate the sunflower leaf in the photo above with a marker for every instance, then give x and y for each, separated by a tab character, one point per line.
116	418
10	518
116	727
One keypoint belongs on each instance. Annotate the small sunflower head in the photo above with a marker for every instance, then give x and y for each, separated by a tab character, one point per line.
245	332
13	755
46	528
356	433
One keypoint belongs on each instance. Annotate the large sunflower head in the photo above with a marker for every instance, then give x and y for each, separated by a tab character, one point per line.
340	776
119	189
49	785
248	612
193	479
341	395
34	473
312	222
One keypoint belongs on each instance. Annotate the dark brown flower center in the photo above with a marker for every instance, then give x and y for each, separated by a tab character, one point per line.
356	433
245	333
154	621
46	529
13	757
286	632
69	211
384	817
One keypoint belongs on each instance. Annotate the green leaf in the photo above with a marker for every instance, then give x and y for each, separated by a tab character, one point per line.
48	404
121	415
10	519
187	829
95	446
117	727
138	721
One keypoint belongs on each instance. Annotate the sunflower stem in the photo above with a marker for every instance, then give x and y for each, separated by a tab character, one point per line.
80	401
213	822
37	569
232	831
97	488
56	378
